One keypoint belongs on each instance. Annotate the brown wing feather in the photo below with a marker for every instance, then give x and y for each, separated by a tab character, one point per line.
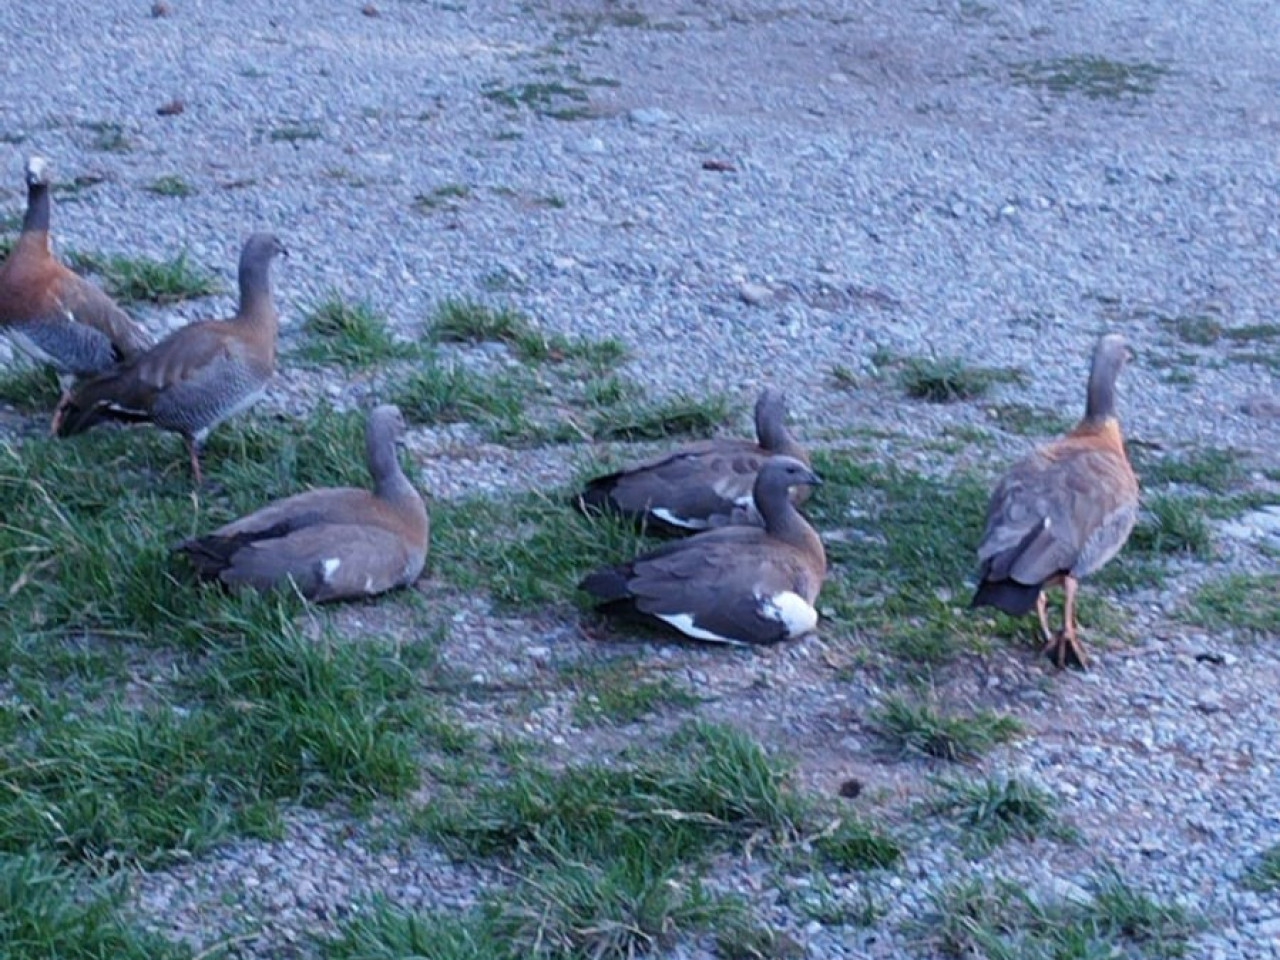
92	307
1047	508
130	391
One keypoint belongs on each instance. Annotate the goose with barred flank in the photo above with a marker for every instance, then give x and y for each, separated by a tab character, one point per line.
330	544
199	375
54	315
1062	512
702	485
734	584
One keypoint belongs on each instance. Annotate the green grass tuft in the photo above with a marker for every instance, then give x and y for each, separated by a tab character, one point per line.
159	717
1264	874
467	321
171	186
679	415
436	392
108	137
1214	469
921	728
353	336
1002	920
996	809
525	550
30	389
1026	420
1237	601
47	910
619	692
139	279
1098	78
1172	526
950	379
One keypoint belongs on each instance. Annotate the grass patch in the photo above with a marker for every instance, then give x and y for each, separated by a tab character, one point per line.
549	98
108	137
295	133
171	186
950	379
444	197
525	550
1198	330
994	810
706	787
900	552
148	718
1002	920
619	692
353	336
1172	526
678	415
1239	601
466	321
436	392
920	728
1214	469
1098	78
31	389
47	910
1264	874
1029	421
141	279
610	857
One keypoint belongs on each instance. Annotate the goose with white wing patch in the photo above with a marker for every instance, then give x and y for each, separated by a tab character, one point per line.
330	544
701	485
734	584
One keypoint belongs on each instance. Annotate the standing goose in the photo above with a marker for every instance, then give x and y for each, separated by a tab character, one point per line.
334	543
735	584
701	485
1061	513
54	315
197	376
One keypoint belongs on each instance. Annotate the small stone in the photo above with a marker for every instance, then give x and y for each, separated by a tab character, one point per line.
369	10
719	166
539	655
1263	406
1210	701
649	116
850	788
588	145
160	9
756	294
171	109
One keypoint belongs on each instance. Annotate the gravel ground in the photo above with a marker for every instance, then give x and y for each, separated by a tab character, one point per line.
889	185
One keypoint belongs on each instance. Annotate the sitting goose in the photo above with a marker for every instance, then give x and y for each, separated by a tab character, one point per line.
1061	513
735	584
702	485
333	543
51	313
199	375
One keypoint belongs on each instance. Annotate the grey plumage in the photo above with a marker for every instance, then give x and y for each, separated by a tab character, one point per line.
53	315
199	375
700	485
1062	512
329	544
736	584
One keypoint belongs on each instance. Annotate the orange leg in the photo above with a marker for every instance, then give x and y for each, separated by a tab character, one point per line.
59	412
1065	649
1042	611
193	451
